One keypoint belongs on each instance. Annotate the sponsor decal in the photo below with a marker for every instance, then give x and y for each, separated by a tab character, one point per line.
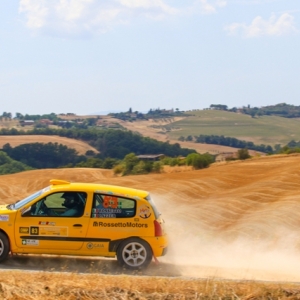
144	212
120	224
107	211
23	229
91	246
104	216
54	231
4	218
34	230
47	223
49	231
110	201
30	242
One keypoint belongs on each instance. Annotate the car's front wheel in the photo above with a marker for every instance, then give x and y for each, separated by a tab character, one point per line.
134	253
4	247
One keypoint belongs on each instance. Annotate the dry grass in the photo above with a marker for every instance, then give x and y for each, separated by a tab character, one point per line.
18	286
16	140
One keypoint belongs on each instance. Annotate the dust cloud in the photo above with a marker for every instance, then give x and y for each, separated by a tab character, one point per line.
202	253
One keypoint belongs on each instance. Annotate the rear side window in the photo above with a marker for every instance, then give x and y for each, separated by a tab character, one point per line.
109	206
151	202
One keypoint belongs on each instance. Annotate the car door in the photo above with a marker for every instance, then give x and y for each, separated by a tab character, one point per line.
42	225
110	220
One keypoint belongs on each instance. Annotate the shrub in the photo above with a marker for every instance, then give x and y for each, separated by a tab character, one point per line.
157	166
199	161
118	169
243	154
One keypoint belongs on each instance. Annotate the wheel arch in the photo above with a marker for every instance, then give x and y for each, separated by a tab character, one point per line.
115	244
4	232
9	244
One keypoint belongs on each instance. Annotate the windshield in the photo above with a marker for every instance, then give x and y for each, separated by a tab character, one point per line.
23	202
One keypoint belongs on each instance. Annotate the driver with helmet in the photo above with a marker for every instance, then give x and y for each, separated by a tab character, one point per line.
72	204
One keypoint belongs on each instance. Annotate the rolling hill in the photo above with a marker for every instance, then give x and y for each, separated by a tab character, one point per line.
268	130
16	140
233	220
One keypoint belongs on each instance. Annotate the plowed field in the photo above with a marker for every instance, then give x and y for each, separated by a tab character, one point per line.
238	220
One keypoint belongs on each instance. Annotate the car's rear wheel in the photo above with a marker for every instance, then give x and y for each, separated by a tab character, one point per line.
134	253
4	247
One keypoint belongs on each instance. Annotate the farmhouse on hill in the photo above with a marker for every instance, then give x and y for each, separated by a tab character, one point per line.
151	157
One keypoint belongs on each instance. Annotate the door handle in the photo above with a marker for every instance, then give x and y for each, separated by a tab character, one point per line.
77	225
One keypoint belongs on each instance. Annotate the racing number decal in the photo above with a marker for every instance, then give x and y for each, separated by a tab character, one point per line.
34	230
110	201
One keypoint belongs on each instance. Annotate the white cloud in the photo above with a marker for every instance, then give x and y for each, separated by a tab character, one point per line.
206	6
36	11
88	16
283	25
75	17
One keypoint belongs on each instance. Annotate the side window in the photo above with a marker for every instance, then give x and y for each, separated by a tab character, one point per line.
63	204
108	206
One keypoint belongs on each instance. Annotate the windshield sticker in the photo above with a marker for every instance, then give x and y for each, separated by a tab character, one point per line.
119	224
30	242
4	218
24	230
144	212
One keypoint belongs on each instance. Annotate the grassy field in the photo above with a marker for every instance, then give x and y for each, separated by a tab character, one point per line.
268	130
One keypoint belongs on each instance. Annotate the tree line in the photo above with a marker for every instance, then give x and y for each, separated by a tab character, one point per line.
282	110
53	155
113	146
227	141
110	142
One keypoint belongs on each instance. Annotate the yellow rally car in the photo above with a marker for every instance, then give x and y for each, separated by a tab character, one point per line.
84	219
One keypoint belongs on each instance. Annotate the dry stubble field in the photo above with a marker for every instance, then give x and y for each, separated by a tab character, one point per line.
16	140
234	234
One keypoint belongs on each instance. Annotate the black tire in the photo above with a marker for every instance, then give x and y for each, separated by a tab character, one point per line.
134	253
4	247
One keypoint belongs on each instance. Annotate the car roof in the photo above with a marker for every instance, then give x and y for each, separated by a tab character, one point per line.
57	184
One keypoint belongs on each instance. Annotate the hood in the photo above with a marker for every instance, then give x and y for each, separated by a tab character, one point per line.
3	209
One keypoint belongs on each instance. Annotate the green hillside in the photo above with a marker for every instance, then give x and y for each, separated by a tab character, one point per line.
269	130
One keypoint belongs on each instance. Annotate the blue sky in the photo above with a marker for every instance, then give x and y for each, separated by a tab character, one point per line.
91	56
